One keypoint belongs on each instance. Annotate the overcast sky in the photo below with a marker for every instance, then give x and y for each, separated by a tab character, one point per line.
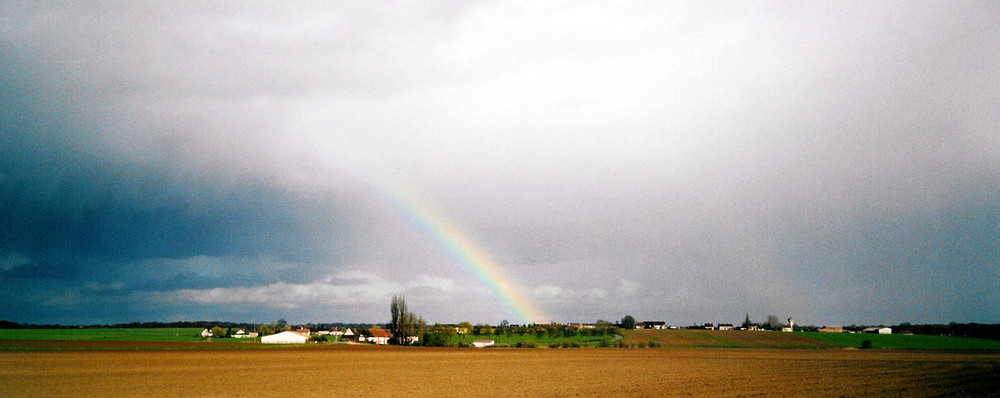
834	162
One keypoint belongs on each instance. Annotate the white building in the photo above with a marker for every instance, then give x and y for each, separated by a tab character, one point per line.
878	330
242	334
482	343
206	333
379	336
286	337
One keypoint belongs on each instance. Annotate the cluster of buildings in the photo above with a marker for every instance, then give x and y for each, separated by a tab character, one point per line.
301	336
240	334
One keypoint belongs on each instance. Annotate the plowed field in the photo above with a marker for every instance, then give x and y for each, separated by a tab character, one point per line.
382	371
719	338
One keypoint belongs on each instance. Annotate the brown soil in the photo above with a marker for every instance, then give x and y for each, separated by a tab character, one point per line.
383	371
723	338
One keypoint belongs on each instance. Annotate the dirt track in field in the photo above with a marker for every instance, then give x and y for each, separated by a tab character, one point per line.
383	371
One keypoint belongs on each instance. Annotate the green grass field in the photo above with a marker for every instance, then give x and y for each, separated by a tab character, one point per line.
152	334
914	342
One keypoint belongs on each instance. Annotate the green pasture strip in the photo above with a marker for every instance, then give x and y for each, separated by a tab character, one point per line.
13	346
110	334
909	342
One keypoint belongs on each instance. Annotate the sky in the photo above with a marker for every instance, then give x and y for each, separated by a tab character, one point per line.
691	162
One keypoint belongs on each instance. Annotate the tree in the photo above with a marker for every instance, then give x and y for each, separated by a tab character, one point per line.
504	327
464	327
746	322
404	324
218	332
398	310
628	322
603	326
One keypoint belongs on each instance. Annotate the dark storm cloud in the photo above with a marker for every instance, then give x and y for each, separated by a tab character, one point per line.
73	212
73	202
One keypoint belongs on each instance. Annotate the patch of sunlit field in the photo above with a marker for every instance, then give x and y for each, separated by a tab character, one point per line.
325	370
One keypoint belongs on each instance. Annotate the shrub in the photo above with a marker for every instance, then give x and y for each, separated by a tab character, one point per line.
528	344
318	338
555	345
866	344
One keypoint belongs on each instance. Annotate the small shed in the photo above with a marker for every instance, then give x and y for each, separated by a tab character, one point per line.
482	343
286	337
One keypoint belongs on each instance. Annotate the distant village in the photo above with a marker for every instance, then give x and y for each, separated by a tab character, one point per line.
281	333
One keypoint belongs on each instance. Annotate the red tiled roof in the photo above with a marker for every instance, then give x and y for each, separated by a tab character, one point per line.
379	333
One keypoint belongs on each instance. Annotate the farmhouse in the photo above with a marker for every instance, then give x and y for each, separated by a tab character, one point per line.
378	336
347	334
242	334
725	326
286	337
654	325
482	343
878	330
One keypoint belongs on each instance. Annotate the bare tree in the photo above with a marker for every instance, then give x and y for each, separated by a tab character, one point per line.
404	324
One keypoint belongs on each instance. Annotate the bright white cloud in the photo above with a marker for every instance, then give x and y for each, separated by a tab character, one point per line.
348	288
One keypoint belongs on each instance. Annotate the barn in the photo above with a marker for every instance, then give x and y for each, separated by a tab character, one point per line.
285	338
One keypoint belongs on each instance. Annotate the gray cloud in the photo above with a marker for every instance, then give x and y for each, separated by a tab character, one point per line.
832	162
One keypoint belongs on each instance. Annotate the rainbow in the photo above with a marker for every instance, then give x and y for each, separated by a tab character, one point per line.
470	254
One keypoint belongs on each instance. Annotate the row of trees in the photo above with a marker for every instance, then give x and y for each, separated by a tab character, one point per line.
404	324
442	335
